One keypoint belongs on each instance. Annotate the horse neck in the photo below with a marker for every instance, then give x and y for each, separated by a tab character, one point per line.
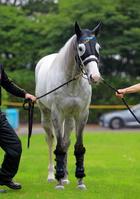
67	54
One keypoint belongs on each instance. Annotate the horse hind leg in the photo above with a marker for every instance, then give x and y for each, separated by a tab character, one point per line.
47	125
68	127
50	141
60	153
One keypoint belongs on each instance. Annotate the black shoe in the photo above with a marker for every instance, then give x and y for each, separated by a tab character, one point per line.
11	184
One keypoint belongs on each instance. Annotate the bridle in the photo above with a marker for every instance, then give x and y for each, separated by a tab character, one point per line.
82	63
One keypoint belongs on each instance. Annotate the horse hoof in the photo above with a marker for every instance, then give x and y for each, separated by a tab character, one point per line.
82	186
59	187
65	181
51	179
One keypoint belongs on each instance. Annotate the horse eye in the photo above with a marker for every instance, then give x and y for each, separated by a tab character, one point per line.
81	49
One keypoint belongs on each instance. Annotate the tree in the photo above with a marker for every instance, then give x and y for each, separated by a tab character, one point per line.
21	37
27	35
42	6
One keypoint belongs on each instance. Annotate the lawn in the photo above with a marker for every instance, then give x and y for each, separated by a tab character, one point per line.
112	164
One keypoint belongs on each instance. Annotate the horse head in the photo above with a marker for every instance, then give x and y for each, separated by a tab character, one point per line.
88	51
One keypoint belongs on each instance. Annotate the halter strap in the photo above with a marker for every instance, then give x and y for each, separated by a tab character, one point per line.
89	60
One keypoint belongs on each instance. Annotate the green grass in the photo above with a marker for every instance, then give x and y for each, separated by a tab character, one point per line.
112	164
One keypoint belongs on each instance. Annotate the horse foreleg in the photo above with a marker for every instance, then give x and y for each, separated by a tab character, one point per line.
60	170
80	171
80	150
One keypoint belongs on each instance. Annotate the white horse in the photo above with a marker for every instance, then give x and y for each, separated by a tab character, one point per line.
68	107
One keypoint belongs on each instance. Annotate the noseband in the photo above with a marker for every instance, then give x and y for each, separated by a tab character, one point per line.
90	58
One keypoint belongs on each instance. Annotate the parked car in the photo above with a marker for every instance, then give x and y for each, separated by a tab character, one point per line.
120	119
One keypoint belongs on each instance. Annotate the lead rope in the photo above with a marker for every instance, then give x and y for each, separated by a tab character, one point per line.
28	105
125	103
66	83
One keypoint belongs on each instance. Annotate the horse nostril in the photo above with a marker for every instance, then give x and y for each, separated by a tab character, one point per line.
95	78
91	78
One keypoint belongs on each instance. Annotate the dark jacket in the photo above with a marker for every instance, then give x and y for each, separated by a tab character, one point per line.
9	86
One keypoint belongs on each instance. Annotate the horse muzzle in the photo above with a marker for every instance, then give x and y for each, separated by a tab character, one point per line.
93	73
96	78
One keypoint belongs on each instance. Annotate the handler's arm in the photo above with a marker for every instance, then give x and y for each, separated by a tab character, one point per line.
132	89
12	88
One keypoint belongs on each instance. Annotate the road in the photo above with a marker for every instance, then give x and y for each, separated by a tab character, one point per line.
37	128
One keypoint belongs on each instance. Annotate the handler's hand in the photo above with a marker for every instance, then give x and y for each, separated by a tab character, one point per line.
29	96
121	93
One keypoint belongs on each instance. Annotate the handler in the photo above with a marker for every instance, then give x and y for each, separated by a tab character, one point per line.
131	89
9	141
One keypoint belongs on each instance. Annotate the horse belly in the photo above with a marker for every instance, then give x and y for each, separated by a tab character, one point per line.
72	106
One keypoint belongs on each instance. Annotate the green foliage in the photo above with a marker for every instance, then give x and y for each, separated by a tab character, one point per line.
23	78
20	35
27	34
29	37
41	6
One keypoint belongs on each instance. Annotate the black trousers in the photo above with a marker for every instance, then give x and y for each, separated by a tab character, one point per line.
11	144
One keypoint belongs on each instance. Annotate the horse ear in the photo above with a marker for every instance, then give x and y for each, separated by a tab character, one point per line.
96	30
78	30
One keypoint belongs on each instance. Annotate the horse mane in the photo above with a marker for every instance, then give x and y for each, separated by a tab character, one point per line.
67	52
